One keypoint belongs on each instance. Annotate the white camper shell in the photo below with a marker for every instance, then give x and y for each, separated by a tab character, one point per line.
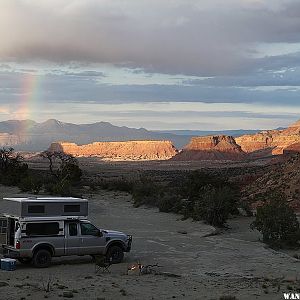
45	207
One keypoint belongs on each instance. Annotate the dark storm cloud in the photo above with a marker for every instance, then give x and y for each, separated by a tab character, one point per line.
283	78
179	37
64	88
197	114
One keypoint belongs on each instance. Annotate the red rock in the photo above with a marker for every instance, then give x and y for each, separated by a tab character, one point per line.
274	140
211	148
130	150
294	148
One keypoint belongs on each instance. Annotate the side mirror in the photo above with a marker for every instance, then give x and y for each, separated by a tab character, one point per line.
99	233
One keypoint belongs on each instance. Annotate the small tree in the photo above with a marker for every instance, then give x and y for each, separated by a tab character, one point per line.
64	170
277	222
12	168
62	166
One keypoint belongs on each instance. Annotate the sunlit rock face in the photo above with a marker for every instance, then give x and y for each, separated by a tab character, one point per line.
294	148
130	150
220	147
9	140
277	141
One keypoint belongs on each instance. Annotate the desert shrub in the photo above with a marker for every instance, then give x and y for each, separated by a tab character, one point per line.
169	202
208	198
277	222
72	172
214	204
196	180
122	185
198	195
145	192
31	184
61	188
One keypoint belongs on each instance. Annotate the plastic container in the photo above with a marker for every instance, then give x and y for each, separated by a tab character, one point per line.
8	264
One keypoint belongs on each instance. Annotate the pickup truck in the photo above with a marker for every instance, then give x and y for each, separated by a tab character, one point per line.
37	240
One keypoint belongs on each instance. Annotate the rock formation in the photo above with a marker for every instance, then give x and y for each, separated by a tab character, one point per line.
276	141
292	149
131	150
211	148
9	140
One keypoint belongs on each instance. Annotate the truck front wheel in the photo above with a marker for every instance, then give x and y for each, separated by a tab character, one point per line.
115	254
42	258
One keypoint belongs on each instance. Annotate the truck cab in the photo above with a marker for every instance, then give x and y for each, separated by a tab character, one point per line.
38	239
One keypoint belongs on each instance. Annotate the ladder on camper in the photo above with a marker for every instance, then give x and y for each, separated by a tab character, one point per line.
3	230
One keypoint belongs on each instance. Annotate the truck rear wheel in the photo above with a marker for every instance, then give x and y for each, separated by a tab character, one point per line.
115	254
42	258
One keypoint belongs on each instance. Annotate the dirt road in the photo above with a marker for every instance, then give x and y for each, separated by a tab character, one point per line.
233	263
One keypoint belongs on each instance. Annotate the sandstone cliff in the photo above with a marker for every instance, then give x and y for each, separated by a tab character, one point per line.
9	140
131	150
211	148
273	141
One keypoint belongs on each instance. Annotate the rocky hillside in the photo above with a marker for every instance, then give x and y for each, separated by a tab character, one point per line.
211	148
273	142
294	148
284	177
130	150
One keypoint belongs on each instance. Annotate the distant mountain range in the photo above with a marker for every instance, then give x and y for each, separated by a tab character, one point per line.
29	135
233	133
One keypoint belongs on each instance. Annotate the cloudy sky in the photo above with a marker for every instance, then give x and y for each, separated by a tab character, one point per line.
159	64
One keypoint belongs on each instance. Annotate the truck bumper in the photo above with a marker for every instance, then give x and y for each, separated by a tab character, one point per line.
9	253
129	244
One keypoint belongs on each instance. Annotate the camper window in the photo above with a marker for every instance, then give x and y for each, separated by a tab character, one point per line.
71	208
42	228
36	209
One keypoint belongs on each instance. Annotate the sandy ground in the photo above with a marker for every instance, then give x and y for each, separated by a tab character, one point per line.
232	263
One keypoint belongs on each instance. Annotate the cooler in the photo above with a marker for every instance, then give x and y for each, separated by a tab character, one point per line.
8	264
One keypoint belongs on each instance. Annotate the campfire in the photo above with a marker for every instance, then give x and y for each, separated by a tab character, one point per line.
141	269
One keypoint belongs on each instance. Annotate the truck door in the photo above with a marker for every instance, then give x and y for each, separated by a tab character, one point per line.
3	230
92	241
72	238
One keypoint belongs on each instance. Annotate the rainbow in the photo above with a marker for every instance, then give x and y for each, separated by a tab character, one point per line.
29	97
